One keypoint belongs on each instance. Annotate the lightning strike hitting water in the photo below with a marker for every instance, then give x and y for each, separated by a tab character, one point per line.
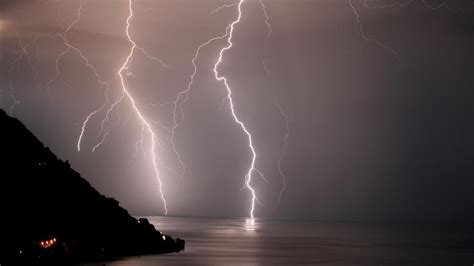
223	79
229	36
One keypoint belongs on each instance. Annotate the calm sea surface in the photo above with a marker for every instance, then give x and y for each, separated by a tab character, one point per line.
270	242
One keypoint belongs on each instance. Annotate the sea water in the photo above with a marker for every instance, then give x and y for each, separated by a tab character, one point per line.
272	242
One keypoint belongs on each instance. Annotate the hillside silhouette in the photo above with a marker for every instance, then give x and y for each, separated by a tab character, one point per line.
50	214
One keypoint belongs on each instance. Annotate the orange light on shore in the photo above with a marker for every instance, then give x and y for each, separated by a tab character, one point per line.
48	243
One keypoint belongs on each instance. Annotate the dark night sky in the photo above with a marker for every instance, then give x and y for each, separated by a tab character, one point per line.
372	137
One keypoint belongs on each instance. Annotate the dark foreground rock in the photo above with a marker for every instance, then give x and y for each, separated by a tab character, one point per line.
50	215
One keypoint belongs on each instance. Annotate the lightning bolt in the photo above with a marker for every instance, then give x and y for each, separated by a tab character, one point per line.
283	151
266	68
154	58
267	18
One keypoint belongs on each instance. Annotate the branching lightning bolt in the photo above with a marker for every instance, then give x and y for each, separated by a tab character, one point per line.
153	58
68	47
125	93
22	53
229	36
283	114
223	79
363	35
103	131
223	7
124	69
384	6
183	96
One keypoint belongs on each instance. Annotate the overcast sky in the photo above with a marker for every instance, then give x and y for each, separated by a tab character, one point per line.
373	136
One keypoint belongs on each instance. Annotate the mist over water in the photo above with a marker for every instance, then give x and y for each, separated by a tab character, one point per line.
270	242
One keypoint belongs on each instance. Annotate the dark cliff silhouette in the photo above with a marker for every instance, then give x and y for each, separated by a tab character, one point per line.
50	214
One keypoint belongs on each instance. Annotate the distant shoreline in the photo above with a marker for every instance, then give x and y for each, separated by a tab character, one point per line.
55	216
